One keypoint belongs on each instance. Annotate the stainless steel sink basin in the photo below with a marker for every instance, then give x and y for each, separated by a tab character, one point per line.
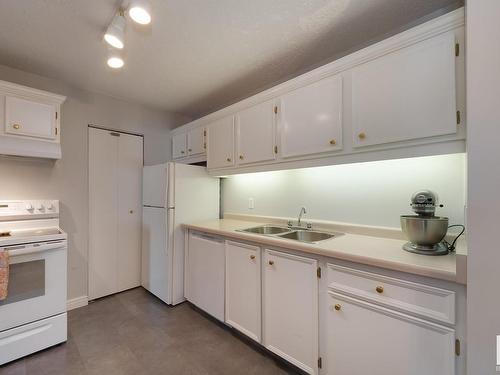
291	233
266	229
308	236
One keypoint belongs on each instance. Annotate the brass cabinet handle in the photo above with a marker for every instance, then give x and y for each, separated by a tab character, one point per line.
361	135
333	142
379	289
16	126
228	159
241	157
337	307
271	262
252	257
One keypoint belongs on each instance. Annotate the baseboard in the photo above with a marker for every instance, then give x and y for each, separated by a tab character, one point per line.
77	302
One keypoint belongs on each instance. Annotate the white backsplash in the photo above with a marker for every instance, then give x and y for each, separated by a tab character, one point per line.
374	193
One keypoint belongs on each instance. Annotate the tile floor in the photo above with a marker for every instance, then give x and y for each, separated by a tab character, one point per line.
134	333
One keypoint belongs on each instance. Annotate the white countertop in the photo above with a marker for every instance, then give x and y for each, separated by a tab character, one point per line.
366	249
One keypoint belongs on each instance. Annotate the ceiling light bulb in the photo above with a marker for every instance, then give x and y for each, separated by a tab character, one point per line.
115	59
140	12
115	34
115	62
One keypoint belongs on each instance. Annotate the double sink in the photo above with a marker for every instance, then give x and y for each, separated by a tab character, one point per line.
292	233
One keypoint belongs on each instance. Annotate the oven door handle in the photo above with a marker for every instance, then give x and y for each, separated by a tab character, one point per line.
24	250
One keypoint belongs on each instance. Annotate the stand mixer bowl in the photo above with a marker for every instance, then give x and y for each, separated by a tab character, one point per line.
424	231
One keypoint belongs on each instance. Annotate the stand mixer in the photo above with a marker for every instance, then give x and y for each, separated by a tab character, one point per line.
425	231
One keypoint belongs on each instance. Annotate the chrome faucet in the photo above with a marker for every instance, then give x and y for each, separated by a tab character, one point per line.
302	212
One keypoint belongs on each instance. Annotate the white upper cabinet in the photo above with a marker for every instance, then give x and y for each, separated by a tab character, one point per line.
406	94
221	143
196	141
179	146
310	119
29	121
30	118
256	133
290	308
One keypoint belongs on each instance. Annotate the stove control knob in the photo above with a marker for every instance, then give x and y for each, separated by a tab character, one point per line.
50	207
40	207
29	207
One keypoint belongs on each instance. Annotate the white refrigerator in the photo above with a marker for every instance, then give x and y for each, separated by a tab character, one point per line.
172	194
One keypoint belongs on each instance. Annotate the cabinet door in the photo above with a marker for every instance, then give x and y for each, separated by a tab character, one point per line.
256	133
243	289
196	141
129	186
362	338
29	118
310	119
290	308
406	94
221	143
103	208
179	143
205	273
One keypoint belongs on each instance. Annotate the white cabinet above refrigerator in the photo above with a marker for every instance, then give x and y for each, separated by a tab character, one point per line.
29	122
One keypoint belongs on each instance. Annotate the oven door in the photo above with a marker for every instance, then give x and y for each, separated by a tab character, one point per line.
37	283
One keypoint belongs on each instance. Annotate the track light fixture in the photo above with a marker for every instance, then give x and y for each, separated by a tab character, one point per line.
115	34
140	12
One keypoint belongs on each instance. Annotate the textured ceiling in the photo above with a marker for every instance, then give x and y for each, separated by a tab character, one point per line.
198	55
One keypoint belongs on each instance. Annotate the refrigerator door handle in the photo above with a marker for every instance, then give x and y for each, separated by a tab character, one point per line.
170	208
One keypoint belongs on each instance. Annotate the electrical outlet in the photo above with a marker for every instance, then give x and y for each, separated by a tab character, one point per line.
251	203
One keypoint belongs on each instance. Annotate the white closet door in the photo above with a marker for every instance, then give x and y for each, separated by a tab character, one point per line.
129	211
103	199
115	191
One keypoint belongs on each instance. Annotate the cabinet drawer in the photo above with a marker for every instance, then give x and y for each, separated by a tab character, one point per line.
418	299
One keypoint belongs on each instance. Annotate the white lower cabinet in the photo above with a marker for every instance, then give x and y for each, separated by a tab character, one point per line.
369	323
205	273
290	308
363	338
243	289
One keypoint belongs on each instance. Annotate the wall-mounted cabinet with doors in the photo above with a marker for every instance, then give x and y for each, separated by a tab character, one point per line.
115	211
190	144
221	142
325	317
401	97
310	119
29	121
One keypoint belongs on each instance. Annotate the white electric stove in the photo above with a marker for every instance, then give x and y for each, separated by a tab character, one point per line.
33	316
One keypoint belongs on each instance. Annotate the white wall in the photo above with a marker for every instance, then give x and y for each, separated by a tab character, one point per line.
374	193
483	124
66	179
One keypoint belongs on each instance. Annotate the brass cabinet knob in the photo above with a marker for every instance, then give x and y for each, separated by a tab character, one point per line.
379	289
241	157
190	150
252	257
182	152
337	307
271	262
16	126
333	142
131	211
361	135
228	159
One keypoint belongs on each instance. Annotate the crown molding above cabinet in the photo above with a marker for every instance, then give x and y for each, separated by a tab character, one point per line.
30	122
401	97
